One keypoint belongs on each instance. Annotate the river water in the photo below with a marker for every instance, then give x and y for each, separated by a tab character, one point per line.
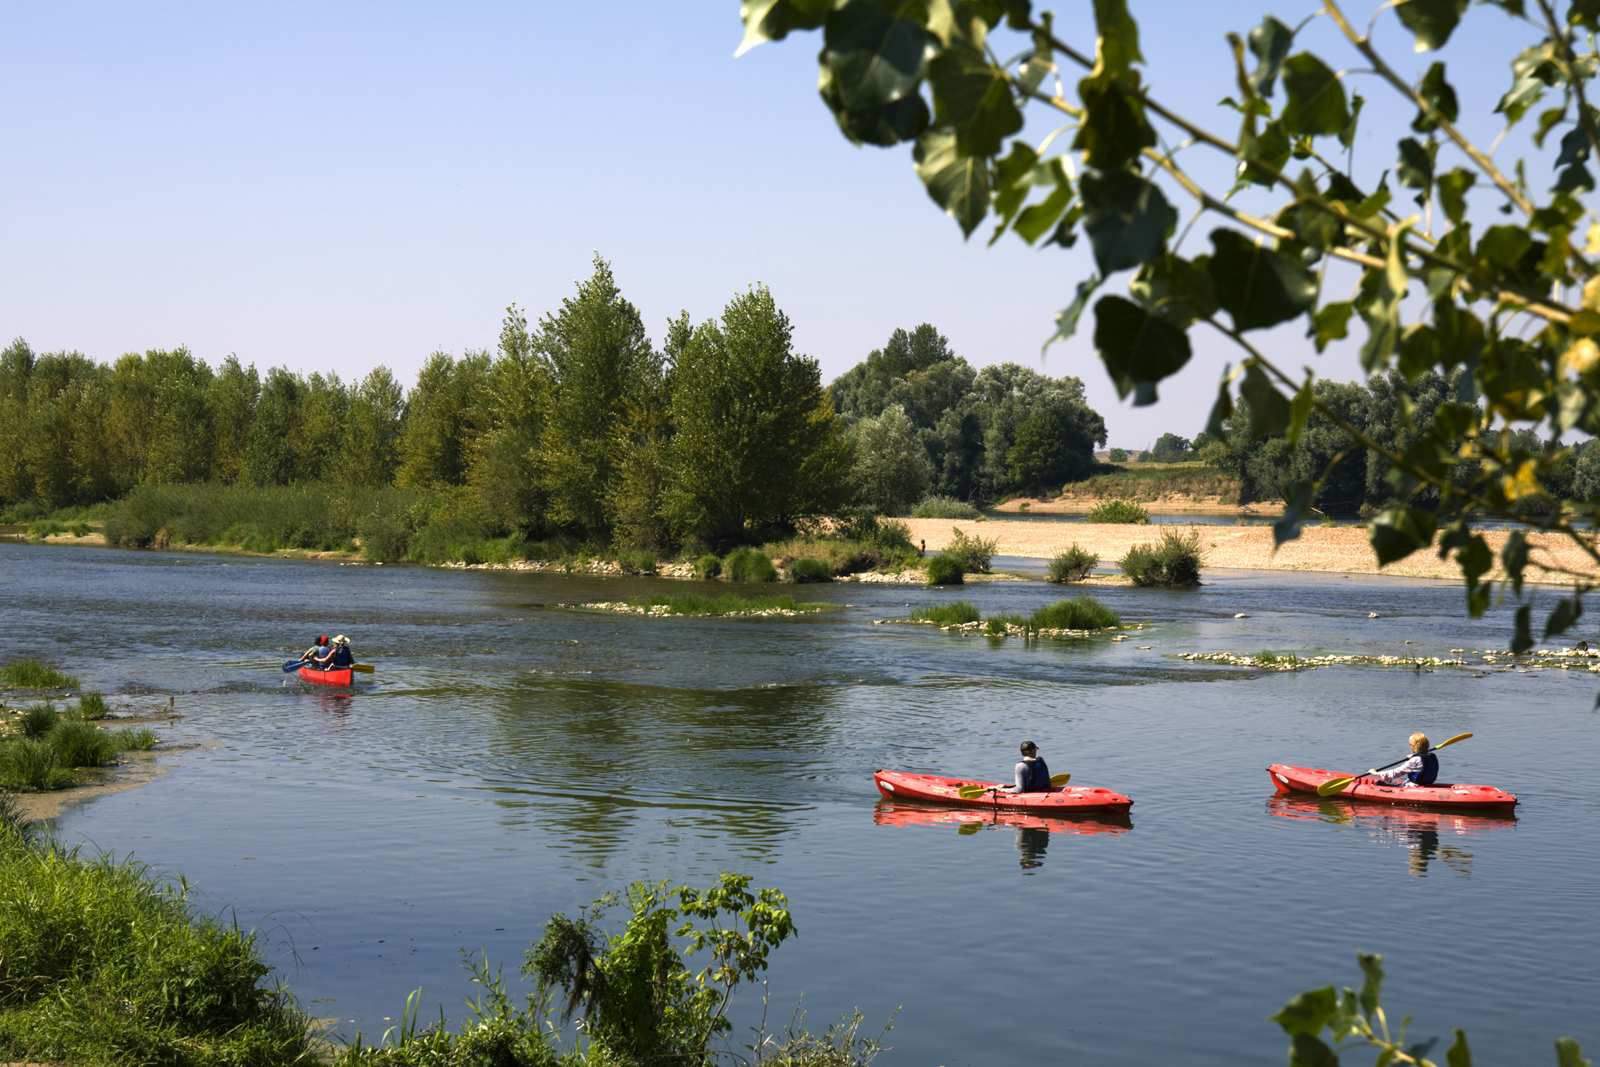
511	758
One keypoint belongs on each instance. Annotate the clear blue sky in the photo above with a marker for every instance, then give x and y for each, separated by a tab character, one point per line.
331	186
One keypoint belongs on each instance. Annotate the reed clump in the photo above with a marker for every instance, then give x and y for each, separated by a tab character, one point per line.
29	673
1173	562
956	613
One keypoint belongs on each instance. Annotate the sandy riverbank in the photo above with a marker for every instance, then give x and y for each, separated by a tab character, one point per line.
1333	549
1173	504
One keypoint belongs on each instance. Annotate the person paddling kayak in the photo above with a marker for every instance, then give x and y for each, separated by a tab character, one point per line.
1031	773
1421	769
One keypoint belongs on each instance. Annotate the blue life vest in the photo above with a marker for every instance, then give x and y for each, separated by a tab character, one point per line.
1035	776
1429	773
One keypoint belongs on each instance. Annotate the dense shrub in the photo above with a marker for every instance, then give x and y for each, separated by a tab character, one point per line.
637	561
956	613
31	764
81	744
974	553
707	566
1073	565
1118	511
945	570
749	565
1174	561
806	569
944	507
1082	613
38	720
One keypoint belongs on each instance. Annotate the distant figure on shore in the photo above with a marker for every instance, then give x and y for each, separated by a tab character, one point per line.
922	547
339	655
316	649
1421	769
1031	773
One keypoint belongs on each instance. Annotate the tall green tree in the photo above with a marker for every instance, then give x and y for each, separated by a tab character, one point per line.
600	361
443	419
372	429
504	467
756	444
323	412
16	373
635	502
270	458
890	469
231	405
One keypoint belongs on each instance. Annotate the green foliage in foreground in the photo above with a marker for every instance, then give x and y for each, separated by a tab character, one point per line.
1357	1017
1173	562
955	613
34	674
1081	613
1119	511
711	606
749	565
1073	565
945	570
640	1002
944	507
99	964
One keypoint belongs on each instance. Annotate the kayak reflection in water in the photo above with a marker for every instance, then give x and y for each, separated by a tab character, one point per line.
1031	844
1031	773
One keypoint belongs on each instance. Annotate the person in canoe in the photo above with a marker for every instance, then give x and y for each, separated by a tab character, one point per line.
1421	769
317	649
1031	773
339	655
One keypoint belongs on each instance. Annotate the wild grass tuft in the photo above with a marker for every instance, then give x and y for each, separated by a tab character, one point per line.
1118	511
749	565
945	570
38	720
92	707
140	740
81	744
700	604
1073	565
807	569
14	821
707	567
1000	625
34	674
1082	613
637	561
955	613
30	765
944	507
1173	562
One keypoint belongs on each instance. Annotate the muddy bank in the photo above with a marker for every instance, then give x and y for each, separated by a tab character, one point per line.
1330	549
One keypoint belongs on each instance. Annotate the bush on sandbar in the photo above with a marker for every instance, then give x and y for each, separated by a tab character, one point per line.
1173	562
806	569
944	507
945	570
1073	565
707	567
1118	511
956	613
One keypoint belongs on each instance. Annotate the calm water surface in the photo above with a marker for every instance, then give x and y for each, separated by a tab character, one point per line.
512	758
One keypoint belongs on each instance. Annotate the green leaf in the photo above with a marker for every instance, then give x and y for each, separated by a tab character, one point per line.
1416	165
1309	1012
1067	321
1300	412
1263	155
1222	408
1432	21
1316	99
1117	49
872	64
957	183
1459	1054
1040	218
1114	128
1522	639
1397	532
1127	218
1533	71
1564	617
1138	348
773	20
1440	96
1257	286
1269	409
1379	307
1568	1054
1177	289
1308	1051
1347	136
1269	43
1453	186
1372	982
1012	183
973	96
1297	505
1330	323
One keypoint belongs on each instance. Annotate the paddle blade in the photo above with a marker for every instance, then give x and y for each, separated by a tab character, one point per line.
1333	785
362	668
1059	780
972	792
968	828
292	665
1450	741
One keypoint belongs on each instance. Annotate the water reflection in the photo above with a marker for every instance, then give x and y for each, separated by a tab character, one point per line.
1426	835
1032	831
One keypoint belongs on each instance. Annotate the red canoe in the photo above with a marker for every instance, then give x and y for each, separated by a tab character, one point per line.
939	789
1290	779
342	677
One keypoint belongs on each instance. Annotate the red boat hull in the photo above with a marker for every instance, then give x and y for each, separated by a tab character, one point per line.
1287	778
939	789
901	813
339	678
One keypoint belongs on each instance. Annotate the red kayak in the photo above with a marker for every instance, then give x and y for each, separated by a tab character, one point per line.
342	677
1291	779
939	789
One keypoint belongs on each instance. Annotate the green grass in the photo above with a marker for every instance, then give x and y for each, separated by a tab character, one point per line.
103	965
38	720
91	707
945	570
956	613
637	561
807	569
707	567
1000	625
1081	613
140	740
944	507
30	765
34	674
1118	511
81	744
1073	565
1173	562
845	555
749	565
702	605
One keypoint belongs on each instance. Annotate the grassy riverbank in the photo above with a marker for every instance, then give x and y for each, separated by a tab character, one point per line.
1197	488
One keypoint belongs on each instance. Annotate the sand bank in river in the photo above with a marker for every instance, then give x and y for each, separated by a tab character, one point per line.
1334	549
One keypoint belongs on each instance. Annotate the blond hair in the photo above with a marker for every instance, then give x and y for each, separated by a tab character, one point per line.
1419	742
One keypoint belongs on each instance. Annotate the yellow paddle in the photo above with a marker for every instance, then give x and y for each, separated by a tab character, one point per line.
972	792
1339	785
362	668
